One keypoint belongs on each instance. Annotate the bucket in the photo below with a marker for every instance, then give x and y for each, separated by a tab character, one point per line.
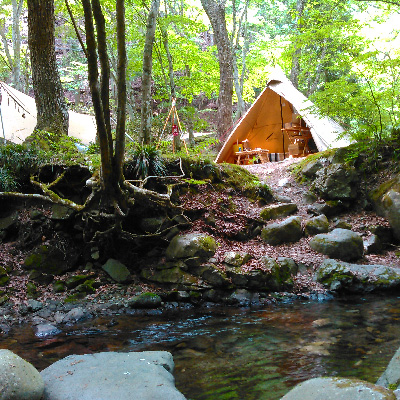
280	156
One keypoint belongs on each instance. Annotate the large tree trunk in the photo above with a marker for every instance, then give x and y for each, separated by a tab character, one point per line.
145	126
52	112
215	11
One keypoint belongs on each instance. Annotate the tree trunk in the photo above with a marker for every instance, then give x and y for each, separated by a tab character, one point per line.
16	40
238	80
295	71
146	117
215	11
52	112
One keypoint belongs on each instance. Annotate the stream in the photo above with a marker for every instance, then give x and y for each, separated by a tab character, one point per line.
240	353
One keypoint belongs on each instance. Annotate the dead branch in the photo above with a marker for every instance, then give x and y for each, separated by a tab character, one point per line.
160	178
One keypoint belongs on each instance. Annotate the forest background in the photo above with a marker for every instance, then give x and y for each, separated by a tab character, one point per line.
344	55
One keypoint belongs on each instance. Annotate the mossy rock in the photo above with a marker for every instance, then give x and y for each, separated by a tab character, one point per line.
278	211
73	298
86	287
59	287
316	225
49	259
191	245
287	231
31	290
3	299
340	243
236	259
76	280
117	271
170	276
145	300
4	280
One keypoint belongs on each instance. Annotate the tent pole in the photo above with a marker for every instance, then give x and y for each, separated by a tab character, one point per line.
283	134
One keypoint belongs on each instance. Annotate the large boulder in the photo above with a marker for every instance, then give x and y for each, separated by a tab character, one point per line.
357	278
336	182
316	225
391	375
340	243
278	211
386	199
191	245
311	168
19	380
286	231
328	388
118	376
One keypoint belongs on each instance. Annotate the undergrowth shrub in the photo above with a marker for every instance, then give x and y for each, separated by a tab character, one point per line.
8	182
143	161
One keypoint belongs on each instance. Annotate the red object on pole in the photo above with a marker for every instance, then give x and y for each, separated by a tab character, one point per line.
175	130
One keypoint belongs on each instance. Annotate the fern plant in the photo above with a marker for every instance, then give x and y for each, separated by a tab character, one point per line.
145	160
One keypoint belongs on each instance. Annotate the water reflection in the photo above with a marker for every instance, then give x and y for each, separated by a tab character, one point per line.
240	353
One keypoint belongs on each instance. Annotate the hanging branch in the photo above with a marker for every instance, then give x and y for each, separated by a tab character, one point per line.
78	35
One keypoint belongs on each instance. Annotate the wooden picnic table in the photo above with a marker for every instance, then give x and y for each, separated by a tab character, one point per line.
243	157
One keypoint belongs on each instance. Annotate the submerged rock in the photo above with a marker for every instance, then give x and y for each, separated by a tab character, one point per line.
357	278
327	388
103	376
19	380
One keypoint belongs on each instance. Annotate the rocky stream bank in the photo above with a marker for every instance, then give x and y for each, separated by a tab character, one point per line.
239	243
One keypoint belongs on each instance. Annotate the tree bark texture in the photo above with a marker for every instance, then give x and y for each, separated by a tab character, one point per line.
295	71
215	11
121	93
105	140
16	41
146	112
52	111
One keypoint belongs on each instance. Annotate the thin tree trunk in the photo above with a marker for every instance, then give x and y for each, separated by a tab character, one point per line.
146	112
121	93
295	71
16	40
237	80
93	77
216	13
52	112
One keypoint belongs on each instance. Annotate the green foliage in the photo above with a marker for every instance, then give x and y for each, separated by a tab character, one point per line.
144	160
7	181
60	149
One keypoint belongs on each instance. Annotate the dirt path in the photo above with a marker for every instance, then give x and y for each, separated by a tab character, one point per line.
278	177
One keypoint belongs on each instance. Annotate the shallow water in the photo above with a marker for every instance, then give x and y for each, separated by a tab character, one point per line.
242	354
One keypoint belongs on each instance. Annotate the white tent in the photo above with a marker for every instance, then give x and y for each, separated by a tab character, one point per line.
18	112
263	124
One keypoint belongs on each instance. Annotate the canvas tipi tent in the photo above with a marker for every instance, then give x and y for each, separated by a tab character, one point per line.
279	106
18	118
